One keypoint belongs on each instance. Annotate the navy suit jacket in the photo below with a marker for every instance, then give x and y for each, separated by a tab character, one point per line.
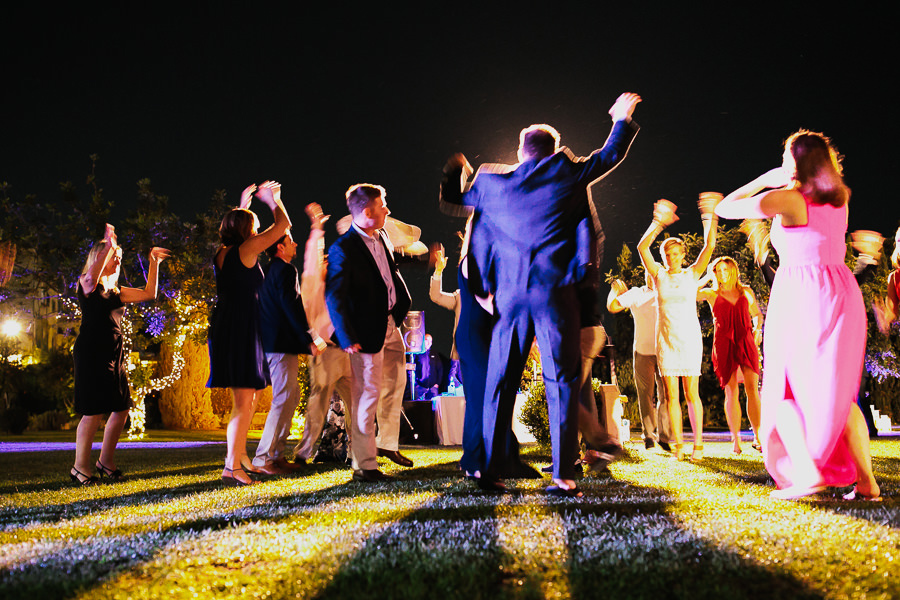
356	295
532	225
283	324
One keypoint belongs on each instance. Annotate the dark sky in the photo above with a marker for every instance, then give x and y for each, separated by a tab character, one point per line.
213	97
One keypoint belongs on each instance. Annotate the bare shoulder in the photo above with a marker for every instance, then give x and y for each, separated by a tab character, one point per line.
790	204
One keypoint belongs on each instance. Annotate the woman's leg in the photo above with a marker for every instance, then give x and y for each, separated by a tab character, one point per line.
673	403
856	432
733	412
790	428
84	439
691	386
236	433
751	386
111	434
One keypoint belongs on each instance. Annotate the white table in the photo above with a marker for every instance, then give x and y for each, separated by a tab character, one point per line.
449	415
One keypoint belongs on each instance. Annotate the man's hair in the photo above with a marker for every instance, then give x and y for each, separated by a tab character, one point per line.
538	141
360	195
272	250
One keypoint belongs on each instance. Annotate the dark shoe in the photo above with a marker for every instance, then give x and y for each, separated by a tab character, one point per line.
491	485
665	446
599	459
559	492
82	479
106	472
300	462
231	480
395	456
272	468
370	475
547	469
521	470
756	446
648	444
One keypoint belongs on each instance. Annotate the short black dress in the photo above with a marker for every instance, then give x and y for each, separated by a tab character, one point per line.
236	358
101	379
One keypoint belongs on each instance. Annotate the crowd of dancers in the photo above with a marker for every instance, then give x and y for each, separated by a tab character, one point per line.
528	270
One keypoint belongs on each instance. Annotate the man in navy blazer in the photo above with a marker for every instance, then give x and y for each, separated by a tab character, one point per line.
367	300
285	334
531	242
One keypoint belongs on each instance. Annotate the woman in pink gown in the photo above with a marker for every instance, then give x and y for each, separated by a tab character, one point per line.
813	433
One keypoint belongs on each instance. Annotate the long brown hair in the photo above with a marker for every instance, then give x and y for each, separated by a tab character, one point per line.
818	165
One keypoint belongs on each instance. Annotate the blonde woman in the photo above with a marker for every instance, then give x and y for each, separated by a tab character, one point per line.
101	375
679	343
737	324
887	310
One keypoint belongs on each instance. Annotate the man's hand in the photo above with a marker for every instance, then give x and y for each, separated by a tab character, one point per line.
624	106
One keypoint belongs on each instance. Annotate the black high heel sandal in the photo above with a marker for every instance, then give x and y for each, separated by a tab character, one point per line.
232	480
77	478
107	472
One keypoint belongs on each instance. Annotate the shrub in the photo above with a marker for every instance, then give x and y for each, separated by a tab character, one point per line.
534	414
51	420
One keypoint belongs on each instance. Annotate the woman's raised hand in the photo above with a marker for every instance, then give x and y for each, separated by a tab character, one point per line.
269	192
664	212
157	255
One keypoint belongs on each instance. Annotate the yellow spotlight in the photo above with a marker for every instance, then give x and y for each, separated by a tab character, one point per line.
11	328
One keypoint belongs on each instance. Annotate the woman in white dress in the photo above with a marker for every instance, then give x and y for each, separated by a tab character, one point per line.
679	343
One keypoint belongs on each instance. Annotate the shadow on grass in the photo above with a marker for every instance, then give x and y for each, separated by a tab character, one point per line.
451	547
70	567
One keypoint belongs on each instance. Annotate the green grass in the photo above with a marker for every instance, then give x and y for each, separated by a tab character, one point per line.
652	528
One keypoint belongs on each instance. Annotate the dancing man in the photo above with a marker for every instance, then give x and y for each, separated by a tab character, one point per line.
528	220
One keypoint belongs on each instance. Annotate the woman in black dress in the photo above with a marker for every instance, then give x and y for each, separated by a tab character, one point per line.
101	380
236	357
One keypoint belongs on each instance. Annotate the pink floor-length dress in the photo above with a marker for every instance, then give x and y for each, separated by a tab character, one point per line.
815	337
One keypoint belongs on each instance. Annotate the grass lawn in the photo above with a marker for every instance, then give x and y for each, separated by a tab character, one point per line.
651	528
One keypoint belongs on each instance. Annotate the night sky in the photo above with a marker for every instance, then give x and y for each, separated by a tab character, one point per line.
207	97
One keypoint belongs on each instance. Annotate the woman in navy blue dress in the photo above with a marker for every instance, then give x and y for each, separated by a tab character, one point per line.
101	376
236	357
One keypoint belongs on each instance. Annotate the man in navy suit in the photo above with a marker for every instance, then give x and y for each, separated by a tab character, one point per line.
531	242
367	299
285	334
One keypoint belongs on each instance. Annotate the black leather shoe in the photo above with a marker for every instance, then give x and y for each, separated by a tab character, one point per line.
395	456
665	446
370	475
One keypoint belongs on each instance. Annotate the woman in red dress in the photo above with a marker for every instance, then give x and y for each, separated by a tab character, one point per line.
737	321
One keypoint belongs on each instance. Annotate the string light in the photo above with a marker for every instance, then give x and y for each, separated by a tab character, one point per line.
191	320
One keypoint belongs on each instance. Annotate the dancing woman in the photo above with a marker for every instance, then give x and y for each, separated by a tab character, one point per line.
236	356
888	309
737	330
679	343
813	433
101	376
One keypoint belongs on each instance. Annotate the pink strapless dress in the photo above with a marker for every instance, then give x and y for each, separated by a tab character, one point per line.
815	338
